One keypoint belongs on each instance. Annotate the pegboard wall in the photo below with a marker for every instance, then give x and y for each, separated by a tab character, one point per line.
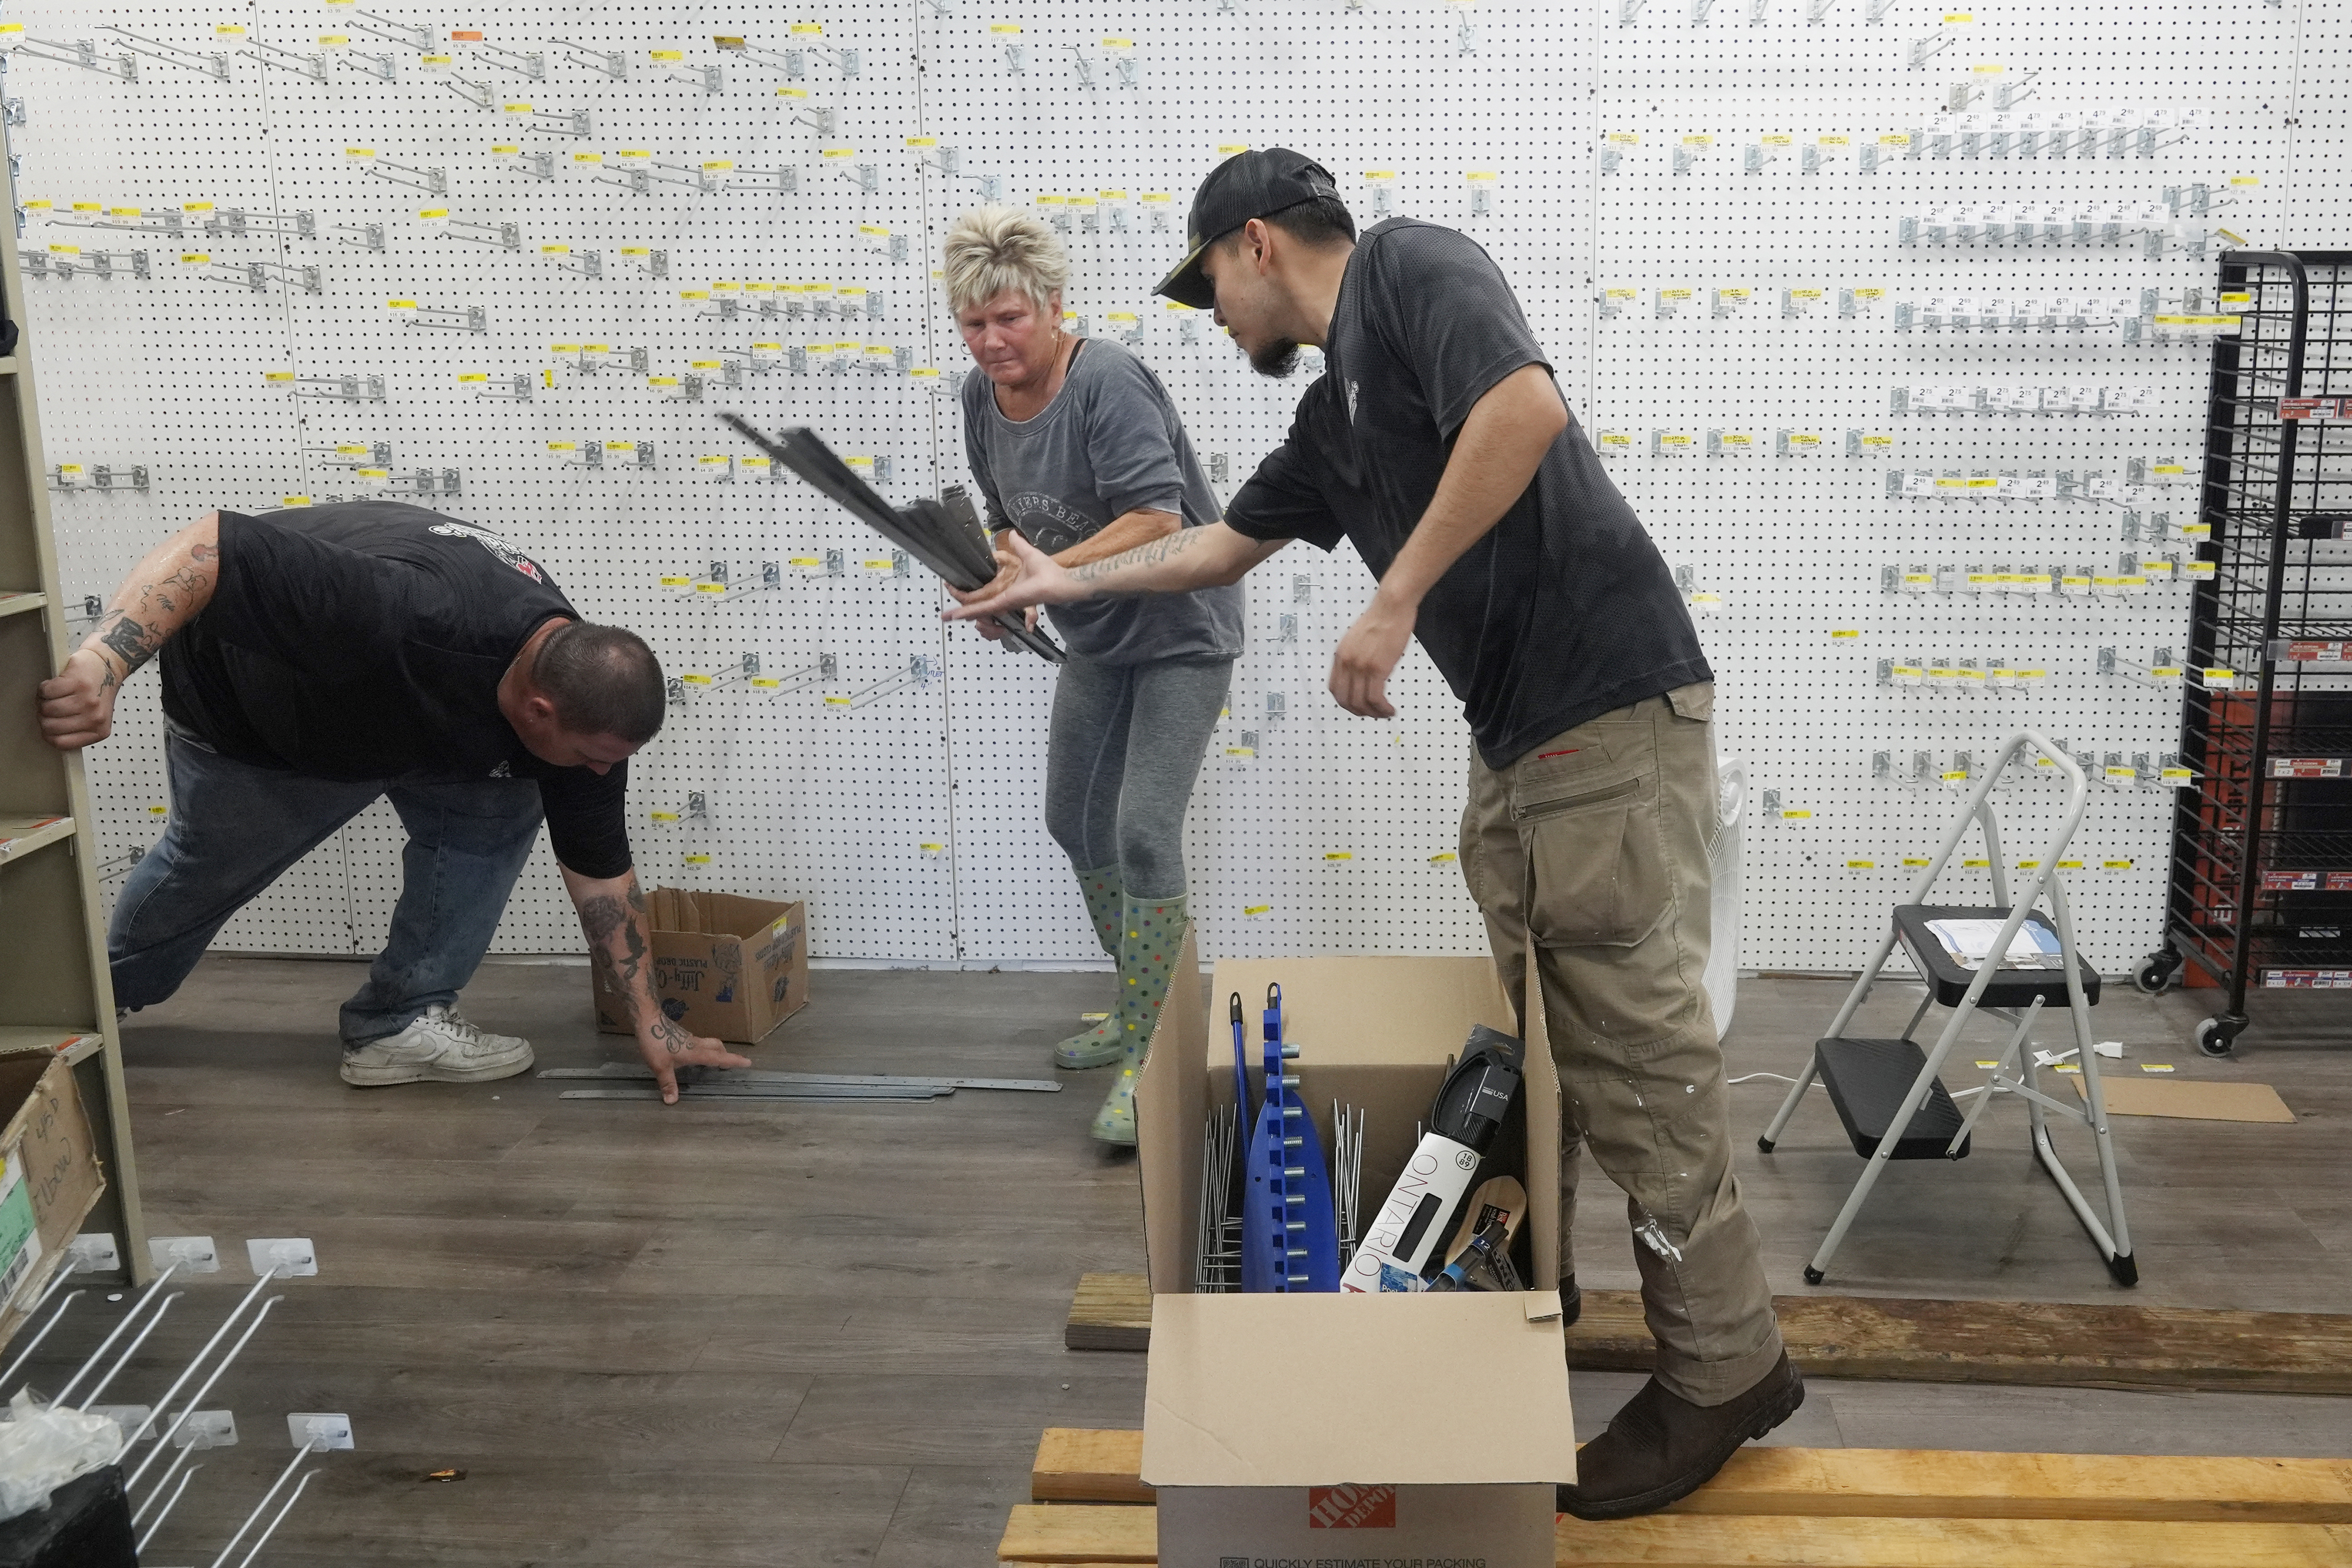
1892	322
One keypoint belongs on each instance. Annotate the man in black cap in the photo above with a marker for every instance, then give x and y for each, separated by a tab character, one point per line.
318	657
1437	441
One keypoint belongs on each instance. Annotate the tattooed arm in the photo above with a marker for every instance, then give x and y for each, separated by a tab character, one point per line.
620	946
163	594
1121	534
1177	562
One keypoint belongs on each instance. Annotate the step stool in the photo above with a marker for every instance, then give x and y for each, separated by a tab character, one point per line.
1887	1094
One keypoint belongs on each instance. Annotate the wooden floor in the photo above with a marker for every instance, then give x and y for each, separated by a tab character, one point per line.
721	1335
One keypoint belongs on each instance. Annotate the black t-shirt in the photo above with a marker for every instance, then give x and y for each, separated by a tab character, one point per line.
367	640
1561	612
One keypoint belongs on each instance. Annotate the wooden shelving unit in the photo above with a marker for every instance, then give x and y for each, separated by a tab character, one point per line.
55	992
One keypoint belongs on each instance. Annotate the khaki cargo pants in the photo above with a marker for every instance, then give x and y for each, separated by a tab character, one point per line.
1596	844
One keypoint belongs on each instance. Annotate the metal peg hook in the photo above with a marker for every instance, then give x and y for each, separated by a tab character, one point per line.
305	1451
246	1560
154	1292
35	1344
172	1503
198	1398
133	1349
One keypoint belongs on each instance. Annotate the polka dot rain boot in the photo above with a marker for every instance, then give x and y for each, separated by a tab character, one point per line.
1101	1044
1147	954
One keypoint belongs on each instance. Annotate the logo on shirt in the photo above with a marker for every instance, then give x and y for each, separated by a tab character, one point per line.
1351	403
1047	521
495	545
505	770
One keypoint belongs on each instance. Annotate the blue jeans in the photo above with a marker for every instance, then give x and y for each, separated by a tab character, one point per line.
234	828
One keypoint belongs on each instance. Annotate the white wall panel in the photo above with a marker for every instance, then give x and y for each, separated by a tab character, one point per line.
905	807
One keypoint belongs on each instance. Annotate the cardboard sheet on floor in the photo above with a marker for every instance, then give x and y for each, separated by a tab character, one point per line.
2192	1101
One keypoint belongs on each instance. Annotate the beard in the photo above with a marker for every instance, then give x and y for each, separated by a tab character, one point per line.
1277	359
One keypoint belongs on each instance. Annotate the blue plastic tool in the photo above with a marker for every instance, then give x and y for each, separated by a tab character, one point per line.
1290	1243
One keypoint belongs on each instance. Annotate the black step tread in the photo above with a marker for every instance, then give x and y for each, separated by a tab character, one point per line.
2008	987
1867	1080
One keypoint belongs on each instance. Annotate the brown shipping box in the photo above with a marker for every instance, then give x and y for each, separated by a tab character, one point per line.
1363	1430
729	967
1429	1427
52	1180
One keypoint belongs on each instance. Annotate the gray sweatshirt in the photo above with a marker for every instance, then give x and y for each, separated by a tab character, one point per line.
1109	443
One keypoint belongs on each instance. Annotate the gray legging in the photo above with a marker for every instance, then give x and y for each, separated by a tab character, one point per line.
1127	743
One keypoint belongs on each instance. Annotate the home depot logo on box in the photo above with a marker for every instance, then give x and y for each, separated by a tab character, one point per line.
1351	1507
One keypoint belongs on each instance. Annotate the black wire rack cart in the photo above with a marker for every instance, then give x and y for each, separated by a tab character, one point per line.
2261	890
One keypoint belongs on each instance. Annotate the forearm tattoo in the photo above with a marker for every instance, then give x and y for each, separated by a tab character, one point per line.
605	917
133	642
1143	556
133	639
675	1040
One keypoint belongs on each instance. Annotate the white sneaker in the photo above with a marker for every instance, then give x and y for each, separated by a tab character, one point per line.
441	1046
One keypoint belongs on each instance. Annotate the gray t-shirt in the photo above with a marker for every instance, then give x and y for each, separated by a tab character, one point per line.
1108	444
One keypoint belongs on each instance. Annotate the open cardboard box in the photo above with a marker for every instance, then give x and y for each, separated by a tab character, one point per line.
724	965
1436	1425
50	1180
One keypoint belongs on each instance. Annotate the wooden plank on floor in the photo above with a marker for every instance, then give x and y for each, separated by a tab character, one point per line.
1928	1483
2045	1343
1074	1465
1713	1540
1110	1312
1079	1466
1041	1532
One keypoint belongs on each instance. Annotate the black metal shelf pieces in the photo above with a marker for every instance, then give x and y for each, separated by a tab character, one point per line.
2260	890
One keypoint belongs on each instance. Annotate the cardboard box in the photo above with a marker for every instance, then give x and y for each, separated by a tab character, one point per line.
1433	1427
1375	1032
729	967
51	1179
1369	1430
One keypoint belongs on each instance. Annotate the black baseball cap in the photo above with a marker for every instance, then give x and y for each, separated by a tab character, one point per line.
1256	184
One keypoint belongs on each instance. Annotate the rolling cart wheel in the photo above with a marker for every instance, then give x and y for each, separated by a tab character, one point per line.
2216	1036
2123	1269
2155	972
1812	1275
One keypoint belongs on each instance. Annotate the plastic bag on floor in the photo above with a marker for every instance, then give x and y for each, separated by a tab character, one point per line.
43	1446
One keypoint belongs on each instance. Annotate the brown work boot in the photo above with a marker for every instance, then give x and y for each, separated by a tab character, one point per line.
1661	1448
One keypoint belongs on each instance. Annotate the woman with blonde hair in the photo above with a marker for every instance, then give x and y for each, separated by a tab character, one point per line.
1076	445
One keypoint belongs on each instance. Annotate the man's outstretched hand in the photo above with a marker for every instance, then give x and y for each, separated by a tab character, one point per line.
1008	570
667	1047
1029	577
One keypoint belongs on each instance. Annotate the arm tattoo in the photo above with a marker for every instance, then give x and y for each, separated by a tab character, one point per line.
127	639
187	580
605	917
602	916
1152	554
